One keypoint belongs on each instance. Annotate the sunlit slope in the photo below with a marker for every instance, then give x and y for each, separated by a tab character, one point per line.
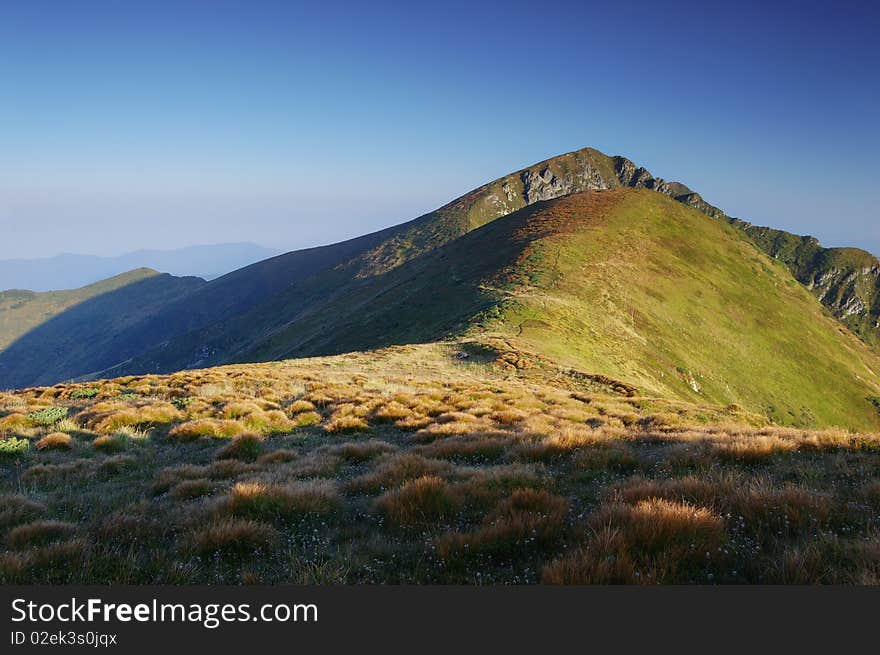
649	291
624	283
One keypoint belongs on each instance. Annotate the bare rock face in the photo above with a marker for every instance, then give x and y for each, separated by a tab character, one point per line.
544	184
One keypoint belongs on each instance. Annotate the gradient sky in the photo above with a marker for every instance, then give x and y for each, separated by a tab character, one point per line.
128	125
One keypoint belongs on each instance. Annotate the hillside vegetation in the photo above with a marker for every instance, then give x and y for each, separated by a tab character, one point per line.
22	310
418	464
584	260
846	280
58	334
626	284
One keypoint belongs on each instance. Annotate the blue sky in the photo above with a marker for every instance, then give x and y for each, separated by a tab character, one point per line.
128	125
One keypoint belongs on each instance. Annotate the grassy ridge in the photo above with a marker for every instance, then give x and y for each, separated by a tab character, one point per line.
627	284
649	291
21	310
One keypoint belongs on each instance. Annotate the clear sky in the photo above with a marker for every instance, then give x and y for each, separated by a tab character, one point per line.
128	124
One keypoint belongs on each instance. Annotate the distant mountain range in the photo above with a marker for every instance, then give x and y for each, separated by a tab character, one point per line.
69	271
585	260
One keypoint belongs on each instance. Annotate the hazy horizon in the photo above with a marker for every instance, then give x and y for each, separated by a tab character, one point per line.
161	126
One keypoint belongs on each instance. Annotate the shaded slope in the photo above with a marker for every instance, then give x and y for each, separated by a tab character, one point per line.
63	332
627	284
70	271
21	310
252	312
284	292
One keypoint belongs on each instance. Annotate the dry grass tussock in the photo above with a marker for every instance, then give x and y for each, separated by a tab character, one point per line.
405	465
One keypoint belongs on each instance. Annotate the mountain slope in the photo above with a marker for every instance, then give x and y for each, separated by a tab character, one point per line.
69	271
625	284
845	280
51	336
209	336
411	283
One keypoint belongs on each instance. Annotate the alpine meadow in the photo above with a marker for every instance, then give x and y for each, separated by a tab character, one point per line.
578	373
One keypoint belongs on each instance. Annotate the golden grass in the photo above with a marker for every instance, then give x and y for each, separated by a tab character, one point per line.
216	428
453	473
343	423
260	500
55	441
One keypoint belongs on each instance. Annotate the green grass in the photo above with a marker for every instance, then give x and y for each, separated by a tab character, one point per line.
654	294
627	284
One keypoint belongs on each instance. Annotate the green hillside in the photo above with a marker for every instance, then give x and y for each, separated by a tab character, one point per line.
846	280
21	311
628	284
652	293
52	336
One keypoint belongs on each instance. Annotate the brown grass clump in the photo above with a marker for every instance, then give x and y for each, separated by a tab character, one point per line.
391	412
46	474
280	456
604	559
654	541
751	449
269	422
55	441
414	422
346	423
529	517
268	501
189	489
14	424
217	428
16	509
362	451
237	409
468	447
299	407
616	457
306	419
117	464
232	536
769	512
393	470
38	533
456	417
508	416
247	447
658	524
424	500
154	414
108	444
707	492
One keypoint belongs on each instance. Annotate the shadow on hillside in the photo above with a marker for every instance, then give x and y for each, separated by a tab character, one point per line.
316	303
84	338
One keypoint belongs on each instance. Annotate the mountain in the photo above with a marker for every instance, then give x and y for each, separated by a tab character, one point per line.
845	280
272	294
69	271
55	335
584	262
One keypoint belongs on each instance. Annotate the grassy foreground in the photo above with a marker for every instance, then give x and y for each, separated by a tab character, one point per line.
417	464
